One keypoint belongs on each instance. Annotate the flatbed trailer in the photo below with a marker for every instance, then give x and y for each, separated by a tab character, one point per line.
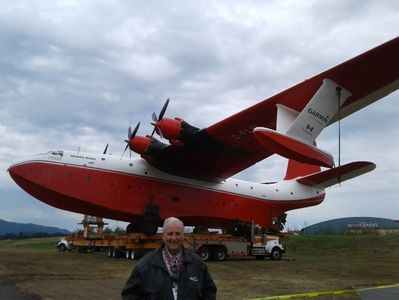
208	245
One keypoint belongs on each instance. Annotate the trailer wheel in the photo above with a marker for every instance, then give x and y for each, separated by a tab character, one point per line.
204	253
220	253
130	254
113	253
275	254
118	253
110	252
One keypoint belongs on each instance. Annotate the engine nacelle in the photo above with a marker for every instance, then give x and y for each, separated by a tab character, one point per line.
170	128
146	145
140	144
176	130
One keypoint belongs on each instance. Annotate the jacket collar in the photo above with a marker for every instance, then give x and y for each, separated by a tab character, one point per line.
158	259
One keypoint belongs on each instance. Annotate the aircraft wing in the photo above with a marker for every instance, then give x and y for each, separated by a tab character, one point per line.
228	147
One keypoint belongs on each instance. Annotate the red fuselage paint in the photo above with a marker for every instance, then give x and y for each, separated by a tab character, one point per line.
109	187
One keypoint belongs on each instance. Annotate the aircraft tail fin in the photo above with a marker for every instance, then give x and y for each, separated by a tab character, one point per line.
296	132
297	169
337	175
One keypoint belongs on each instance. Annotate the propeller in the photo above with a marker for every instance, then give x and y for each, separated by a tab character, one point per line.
105	150
130	136
156	120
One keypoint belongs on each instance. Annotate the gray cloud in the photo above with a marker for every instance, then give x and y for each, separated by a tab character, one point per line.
79	73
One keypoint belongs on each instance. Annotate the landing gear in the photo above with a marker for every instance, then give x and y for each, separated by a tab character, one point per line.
149	223
240	229
279	223
151	219
150	226
133	227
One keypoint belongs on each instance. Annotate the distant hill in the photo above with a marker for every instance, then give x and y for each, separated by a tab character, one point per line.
28	229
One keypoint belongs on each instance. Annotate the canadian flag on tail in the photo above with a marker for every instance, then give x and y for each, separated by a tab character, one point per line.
295	138
295	134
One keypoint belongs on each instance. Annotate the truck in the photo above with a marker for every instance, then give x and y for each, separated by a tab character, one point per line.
208	245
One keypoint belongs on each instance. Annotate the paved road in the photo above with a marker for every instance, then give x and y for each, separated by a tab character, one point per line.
391	293
9	291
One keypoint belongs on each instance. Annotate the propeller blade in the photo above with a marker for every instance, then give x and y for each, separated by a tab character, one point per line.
159	132
105	150
156	120
135	130
125	148
155	128
163	110
130	136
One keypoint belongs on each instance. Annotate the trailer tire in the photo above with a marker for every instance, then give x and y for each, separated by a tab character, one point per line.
118	253
220	253
204	253
109	254
129	254
114	253
275	254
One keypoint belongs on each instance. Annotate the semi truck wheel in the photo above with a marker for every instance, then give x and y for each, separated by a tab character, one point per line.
275	254
220	253
204	253
61	248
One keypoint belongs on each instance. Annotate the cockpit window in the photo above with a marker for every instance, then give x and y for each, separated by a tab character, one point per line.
56	153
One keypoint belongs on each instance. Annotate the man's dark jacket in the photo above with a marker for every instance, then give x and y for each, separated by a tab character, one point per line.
150	279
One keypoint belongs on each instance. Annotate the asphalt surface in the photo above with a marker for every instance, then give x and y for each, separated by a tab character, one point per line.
9	291
388	293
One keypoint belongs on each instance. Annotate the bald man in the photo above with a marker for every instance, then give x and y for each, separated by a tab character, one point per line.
170	272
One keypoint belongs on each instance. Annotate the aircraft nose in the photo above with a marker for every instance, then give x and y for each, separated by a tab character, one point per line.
13	170
16	169
20	171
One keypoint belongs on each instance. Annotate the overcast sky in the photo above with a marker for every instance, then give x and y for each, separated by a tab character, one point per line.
78	73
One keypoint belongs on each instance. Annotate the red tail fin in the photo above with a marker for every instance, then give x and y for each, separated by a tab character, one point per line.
296	169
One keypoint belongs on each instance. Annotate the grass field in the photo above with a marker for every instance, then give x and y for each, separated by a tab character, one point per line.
316	263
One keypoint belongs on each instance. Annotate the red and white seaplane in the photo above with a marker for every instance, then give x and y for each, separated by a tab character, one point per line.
191	176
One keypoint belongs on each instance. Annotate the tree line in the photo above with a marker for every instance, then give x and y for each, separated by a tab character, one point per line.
28	235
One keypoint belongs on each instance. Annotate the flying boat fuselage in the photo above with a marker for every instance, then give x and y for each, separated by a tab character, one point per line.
108	186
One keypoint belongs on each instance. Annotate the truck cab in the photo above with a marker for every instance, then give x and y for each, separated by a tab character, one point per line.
267	245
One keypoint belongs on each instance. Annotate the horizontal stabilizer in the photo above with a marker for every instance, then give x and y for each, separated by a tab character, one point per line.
337	175
292	148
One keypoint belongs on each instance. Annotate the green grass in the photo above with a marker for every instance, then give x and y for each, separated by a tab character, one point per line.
29	245
348	244
315	264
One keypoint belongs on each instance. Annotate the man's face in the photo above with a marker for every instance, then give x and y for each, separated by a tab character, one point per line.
173	236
